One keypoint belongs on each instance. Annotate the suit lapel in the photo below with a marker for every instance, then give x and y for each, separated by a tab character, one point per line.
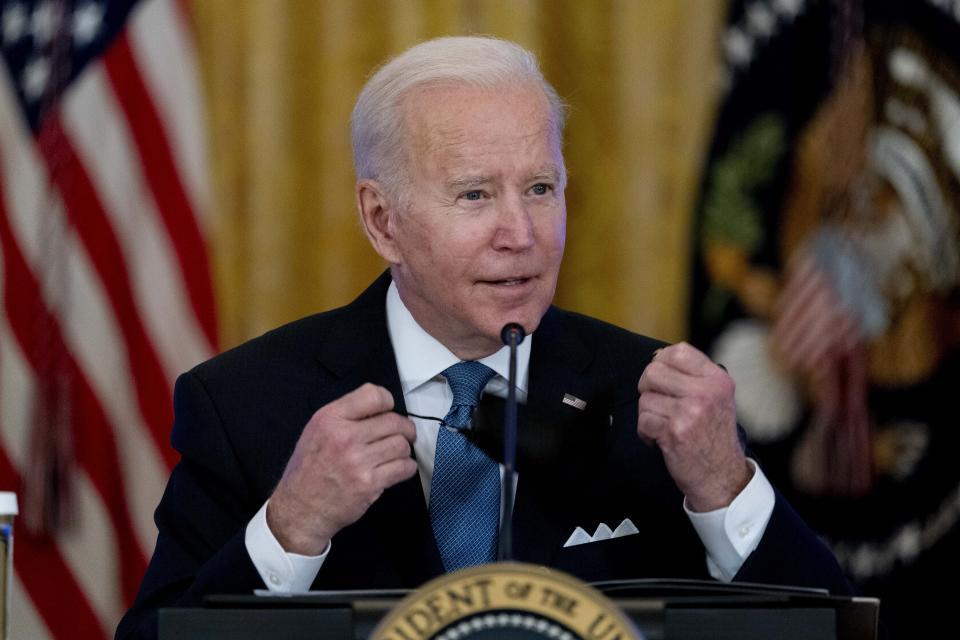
355	351
559	363
356	348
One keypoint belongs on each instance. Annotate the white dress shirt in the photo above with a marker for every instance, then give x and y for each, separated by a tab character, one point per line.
729	535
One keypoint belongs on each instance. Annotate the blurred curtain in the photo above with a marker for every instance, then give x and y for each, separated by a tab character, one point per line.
641	77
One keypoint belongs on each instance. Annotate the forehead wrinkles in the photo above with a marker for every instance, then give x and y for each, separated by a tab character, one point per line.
445	123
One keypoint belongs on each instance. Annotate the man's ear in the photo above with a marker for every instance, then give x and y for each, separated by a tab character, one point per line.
377	212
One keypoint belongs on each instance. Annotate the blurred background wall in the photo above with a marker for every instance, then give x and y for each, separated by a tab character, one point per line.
641	79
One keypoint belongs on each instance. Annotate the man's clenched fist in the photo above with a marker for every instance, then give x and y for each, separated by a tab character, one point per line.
687	408
351	451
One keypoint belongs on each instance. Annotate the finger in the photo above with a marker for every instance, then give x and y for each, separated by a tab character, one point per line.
390	473
660	377
387	449
660	404
363	402
386	425
645	440
651	426
687	359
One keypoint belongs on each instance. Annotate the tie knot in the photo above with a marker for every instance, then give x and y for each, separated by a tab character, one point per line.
467	380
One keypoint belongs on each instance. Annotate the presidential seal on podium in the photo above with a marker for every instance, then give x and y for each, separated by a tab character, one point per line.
506	600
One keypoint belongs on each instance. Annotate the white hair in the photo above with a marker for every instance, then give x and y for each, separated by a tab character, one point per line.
483	62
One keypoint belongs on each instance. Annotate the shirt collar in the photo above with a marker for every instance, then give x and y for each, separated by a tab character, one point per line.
421	357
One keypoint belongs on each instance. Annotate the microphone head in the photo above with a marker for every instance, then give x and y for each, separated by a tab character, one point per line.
512	334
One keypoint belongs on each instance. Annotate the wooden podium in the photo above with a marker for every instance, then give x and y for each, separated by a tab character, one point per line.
661	610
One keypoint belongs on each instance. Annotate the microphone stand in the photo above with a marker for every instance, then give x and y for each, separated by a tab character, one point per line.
512	335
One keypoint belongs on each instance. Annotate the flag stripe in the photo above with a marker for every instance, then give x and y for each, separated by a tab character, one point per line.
89	326
164	181
88	218
88	546
162	46
93	437
95	342
25	620
94	123
47	579
105	279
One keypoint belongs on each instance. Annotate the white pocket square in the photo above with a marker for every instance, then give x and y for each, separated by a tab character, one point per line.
603	532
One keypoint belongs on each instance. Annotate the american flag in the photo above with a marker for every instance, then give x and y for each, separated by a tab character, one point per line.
105	290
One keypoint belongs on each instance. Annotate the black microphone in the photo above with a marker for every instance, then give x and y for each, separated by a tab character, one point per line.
512	335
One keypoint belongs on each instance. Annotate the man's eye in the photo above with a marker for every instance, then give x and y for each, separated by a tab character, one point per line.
540	189
472	195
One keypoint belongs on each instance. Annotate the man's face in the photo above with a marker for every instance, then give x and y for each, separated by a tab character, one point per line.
479	234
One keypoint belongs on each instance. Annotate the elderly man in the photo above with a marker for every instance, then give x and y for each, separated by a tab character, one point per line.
308	455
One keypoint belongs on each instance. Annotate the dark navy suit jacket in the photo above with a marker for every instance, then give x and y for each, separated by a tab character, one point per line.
239	415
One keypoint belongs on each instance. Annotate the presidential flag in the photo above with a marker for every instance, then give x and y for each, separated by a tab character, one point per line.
106	292
827	279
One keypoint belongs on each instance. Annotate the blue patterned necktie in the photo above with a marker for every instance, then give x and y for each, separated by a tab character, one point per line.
465	491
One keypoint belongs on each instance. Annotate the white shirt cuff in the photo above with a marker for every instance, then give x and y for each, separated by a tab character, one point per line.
732	533
281	571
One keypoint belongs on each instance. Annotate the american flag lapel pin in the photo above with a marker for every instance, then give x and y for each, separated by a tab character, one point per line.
574	401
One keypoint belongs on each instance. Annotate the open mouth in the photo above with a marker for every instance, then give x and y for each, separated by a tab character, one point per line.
508	282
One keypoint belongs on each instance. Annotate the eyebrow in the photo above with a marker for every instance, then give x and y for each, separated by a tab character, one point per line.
469	182
547	174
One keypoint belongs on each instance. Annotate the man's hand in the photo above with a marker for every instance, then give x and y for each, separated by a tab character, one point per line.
348	454
687	408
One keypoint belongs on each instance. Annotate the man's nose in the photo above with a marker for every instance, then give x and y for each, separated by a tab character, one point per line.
514	225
